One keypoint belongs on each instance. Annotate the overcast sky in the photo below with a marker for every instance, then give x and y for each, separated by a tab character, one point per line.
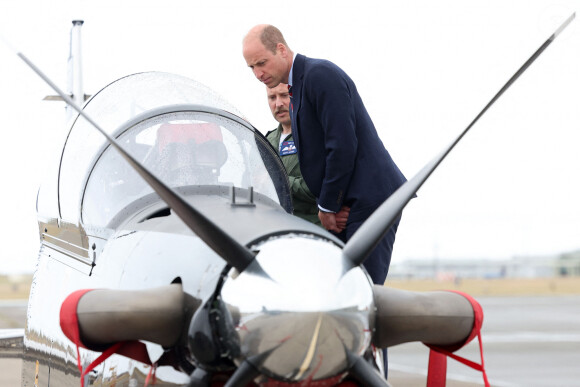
424	69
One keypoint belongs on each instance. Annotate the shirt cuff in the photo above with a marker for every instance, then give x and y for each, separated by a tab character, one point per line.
324	209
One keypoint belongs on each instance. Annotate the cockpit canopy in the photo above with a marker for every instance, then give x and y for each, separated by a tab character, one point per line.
178	129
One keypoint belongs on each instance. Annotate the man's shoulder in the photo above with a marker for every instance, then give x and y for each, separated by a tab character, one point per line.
322	69
320	64
272	134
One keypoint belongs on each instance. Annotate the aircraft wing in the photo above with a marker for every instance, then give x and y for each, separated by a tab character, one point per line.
11	343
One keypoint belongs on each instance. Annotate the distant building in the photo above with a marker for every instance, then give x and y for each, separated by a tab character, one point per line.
566	264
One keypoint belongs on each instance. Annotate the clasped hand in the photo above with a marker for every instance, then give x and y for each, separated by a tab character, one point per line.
334	221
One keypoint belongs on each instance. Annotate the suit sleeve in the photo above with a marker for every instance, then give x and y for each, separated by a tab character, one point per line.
330	93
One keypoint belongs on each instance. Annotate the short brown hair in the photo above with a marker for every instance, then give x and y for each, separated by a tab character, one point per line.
270	37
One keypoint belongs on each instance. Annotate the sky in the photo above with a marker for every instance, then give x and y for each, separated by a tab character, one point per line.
424	70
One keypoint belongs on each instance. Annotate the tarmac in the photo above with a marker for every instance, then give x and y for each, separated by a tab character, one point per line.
527	341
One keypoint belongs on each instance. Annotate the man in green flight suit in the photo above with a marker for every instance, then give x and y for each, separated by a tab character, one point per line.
281	139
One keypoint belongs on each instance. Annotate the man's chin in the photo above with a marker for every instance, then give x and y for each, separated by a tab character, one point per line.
272	84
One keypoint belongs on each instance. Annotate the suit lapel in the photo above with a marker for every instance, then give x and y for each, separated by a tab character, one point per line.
297	80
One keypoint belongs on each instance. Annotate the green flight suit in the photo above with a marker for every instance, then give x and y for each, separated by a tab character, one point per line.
302	199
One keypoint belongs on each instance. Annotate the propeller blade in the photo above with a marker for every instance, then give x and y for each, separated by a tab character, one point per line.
364	372
365	239
200	378
439	318
245	373
248	369
217	239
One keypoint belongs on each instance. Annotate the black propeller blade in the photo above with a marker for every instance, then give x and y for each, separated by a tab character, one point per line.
247	371
378	224
364	372
217	239
243	375
200	378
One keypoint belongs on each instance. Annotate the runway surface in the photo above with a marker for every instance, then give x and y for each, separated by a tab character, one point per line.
527	341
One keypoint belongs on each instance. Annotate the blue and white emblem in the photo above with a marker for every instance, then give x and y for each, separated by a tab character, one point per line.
287	148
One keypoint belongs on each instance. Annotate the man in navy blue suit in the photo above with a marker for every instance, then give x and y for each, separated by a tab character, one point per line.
342	158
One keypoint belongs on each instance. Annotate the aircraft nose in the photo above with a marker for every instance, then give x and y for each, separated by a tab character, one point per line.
302	328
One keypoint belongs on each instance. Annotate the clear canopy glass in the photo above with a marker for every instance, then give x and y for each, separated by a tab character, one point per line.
179	129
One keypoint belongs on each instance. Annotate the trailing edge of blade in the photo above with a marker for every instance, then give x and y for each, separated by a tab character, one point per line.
564	25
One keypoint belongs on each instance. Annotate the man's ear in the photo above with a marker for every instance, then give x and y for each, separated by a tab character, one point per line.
282	49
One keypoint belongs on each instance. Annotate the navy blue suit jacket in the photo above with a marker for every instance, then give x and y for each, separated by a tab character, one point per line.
342	158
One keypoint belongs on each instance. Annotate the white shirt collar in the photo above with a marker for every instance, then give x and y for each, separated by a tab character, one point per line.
291	68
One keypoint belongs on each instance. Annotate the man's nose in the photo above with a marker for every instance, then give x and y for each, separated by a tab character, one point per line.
258	73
